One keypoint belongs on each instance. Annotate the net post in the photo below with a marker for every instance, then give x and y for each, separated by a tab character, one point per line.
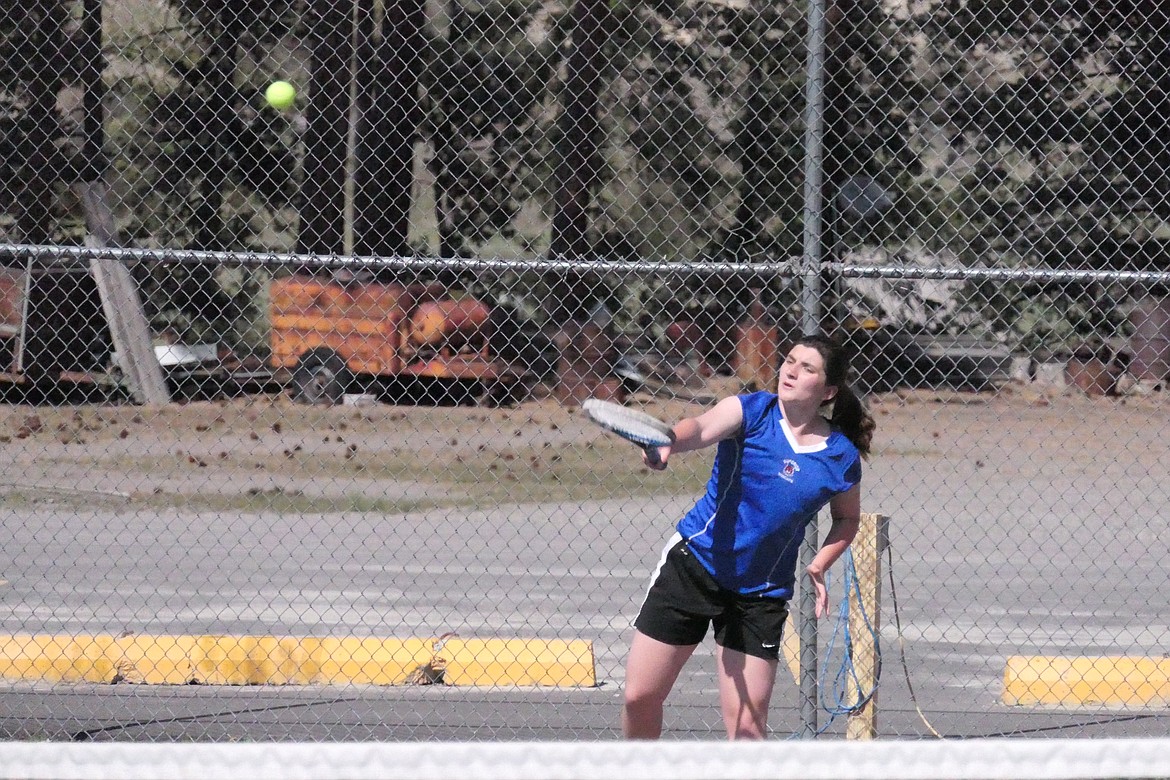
865	622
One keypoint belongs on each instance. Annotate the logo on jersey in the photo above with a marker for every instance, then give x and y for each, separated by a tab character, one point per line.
789	470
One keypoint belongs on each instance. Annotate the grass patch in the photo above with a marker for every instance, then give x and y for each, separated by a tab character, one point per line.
481	478
284	503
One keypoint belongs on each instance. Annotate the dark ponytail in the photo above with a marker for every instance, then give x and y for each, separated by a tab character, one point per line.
849	415
852	418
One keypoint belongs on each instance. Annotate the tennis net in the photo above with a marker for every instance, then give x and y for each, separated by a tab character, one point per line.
980	759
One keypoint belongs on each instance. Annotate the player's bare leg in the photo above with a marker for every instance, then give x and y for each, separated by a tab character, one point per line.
651	671
745	690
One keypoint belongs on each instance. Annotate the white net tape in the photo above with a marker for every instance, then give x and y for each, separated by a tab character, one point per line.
1066	759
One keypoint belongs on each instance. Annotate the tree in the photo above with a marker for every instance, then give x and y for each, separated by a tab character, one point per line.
220	92
577	175
331	28
486	91
35	60
1059	113
389	67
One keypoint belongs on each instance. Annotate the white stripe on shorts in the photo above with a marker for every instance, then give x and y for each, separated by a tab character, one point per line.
674	539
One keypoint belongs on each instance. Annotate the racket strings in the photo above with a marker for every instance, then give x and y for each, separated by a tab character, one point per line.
638	427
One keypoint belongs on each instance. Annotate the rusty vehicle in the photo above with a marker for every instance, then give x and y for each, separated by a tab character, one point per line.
56	343
332	338
52	328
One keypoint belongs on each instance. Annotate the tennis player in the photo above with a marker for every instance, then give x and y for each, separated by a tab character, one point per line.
731	565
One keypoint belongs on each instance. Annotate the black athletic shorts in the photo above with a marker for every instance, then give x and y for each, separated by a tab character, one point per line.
684	599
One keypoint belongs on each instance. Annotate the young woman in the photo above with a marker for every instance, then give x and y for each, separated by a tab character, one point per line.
732	562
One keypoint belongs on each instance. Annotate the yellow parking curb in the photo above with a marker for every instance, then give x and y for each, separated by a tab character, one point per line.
277	660
1125	681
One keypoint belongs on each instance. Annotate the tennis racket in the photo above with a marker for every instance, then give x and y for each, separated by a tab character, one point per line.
642	429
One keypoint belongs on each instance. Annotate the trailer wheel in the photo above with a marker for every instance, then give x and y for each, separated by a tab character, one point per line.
501	392
320	377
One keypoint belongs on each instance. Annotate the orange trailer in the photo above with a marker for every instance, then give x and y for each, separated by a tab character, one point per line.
334	337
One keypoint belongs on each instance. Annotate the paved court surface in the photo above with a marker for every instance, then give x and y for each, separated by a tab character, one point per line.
1035	539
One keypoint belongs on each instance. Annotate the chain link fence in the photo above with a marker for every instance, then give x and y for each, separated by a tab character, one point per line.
292	434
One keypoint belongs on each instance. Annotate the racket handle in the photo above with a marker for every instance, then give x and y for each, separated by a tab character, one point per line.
652	456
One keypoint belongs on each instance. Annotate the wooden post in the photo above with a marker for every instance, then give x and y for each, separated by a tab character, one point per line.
865	621
130	331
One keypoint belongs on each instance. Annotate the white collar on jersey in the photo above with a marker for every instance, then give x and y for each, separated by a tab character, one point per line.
800	448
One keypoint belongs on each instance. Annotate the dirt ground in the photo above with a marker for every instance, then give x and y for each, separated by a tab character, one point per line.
266	451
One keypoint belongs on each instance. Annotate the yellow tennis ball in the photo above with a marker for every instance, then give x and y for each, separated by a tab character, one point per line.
280	95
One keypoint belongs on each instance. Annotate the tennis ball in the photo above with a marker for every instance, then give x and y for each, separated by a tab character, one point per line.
280	95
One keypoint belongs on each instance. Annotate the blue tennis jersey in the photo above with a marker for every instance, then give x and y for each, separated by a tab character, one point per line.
764	489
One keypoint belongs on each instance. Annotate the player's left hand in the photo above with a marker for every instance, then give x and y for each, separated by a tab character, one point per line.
817	577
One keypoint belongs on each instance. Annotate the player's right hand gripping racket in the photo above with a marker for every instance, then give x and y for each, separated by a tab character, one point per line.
642	429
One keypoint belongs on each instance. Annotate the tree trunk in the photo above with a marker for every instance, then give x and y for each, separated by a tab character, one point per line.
448	140
39	52
322	204
753	148
840	159
578	162
220	85
389	127
94	193
94	161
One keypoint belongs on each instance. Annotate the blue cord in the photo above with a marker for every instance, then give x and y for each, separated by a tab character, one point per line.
845	680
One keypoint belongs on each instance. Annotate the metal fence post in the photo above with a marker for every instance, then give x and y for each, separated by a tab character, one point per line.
810	321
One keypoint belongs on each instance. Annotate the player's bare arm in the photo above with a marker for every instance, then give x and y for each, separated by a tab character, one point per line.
716	424
845	509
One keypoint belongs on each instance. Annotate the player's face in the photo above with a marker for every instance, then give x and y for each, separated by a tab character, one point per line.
802	377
